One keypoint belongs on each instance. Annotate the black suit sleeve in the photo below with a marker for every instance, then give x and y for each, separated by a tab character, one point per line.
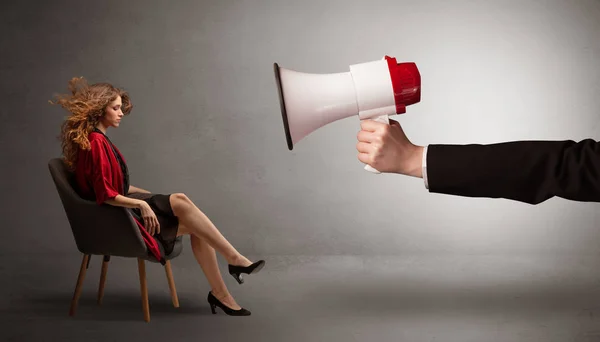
526	171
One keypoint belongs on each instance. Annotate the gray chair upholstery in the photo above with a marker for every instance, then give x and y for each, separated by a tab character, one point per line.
105	230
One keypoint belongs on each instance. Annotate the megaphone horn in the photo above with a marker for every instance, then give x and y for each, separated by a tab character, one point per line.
372	90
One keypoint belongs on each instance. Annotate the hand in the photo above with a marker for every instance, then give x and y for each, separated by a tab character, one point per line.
150	220
387	149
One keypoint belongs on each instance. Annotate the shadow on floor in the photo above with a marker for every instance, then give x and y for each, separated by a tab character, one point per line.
114	307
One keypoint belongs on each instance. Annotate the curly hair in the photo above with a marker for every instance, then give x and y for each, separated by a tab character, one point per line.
86	104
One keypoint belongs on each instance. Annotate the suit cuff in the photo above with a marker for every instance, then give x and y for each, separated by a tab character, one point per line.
424	167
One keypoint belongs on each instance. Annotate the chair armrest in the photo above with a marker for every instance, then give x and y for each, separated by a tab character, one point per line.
104	229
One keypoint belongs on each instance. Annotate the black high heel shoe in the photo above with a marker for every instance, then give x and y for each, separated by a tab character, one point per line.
214	302
236	271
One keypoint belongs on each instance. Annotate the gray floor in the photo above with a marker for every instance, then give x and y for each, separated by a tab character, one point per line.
337	298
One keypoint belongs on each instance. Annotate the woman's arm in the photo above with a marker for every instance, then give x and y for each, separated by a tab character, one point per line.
123	201
150	220
133	190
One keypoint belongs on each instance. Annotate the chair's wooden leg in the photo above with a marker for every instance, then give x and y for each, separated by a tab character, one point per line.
144	289
103	278
82	270
169	272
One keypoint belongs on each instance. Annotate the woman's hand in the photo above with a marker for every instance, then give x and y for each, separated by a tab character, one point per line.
150	220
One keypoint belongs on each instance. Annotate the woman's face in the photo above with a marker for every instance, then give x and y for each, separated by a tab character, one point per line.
113	114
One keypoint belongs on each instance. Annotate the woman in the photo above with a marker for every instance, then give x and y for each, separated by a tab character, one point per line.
102	175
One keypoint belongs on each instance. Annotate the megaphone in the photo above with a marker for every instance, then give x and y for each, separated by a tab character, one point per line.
372	90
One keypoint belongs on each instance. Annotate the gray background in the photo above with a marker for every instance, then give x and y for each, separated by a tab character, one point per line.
206	122
206	119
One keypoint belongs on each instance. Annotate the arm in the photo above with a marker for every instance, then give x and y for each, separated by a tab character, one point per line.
526	171
133	190
102	176
122	201
150	220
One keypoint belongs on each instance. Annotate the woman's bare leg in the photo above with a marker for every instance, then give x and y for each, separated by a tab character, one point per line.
200	225
205	256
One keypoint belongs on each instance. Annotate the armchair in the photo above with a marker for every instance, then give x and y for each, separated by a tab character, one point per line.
108	231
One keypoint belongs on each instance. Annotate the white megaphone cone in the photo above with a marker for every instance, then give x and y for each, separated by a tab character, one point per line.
372	90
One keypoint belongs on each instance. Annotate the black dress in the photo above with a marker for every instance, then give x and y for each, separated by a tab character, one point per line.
159	203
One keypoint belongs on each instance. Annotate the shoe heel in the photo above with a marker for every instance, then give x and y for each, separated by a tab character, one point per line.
238	277
212	308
